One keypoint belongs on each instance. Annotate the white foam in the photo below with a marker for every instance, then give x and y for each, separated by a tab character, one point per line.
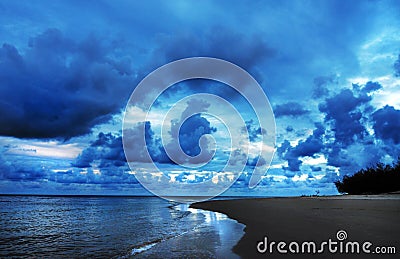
142	248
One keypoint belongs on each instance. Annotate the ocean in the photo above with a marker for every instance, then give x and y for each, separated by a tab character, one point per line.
112	227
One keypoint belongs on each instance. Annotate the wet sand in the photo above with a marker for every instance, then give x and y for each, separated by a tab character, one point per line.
373	218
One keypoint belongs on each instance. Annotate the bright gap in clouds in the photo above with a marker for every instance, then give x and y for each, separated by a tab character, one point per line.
50	149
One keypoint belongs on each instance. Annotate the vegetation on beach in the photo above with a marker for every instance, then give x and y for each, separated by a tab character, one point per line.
373	180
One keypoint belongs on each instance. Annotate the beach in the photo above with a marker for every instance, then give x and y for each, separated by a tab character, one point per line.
361	219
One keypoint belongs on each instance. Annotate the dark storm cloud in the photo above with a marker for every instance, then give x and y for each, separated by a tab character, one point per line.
188	130
289	109
342	110
191	131
365	91
91	77
15	171
246	51
59	87
347	113
107	148
387	124
371	87
348	145
309	147
21	174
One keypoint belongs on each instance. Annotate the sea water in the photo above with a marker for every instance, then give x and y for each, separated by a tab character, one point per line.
112	227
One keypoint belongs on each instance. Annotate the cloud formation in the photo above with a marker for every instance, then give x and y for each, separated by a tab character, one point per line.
213	42
290	109
56	84
107	148
321	84
16	172
59	87
396	67
254	131
387	124
342	111
309	147
189	130
347	141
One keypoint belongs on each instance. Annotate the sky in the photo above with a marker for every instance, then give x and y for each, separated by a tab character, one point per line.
330	70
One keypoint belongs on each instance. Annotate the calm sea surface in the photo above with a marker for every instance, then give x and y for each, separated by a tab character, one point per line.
112	227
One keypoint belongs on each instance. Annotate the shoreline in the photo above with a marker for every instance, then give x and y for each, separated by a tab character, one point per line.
373	218
220	222
212	238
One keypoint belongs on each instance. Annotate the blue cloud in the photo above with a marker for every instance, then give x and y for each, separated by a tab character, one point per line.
67	82
290	109
371	87
347	114
213	42
289	128
311	146
342	110
33	175
188	130
191	131
107	148
110	176
396	67
387	124
22	174
256	161
254	130
316	168
321	84
15	172
59	87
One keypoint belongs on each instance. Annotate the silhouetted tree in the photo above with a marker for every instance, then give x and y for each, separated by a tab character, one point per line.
373	180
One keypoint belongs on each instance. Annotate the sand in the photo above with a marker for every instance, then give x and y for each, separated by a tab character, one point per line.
375	219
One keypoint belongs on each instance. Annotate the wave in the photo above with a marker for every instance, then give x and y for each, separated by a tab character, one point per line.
143	248
184	211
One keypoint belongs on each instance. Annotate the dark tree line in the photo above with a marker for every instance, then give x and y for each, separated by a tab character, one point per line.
373	180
